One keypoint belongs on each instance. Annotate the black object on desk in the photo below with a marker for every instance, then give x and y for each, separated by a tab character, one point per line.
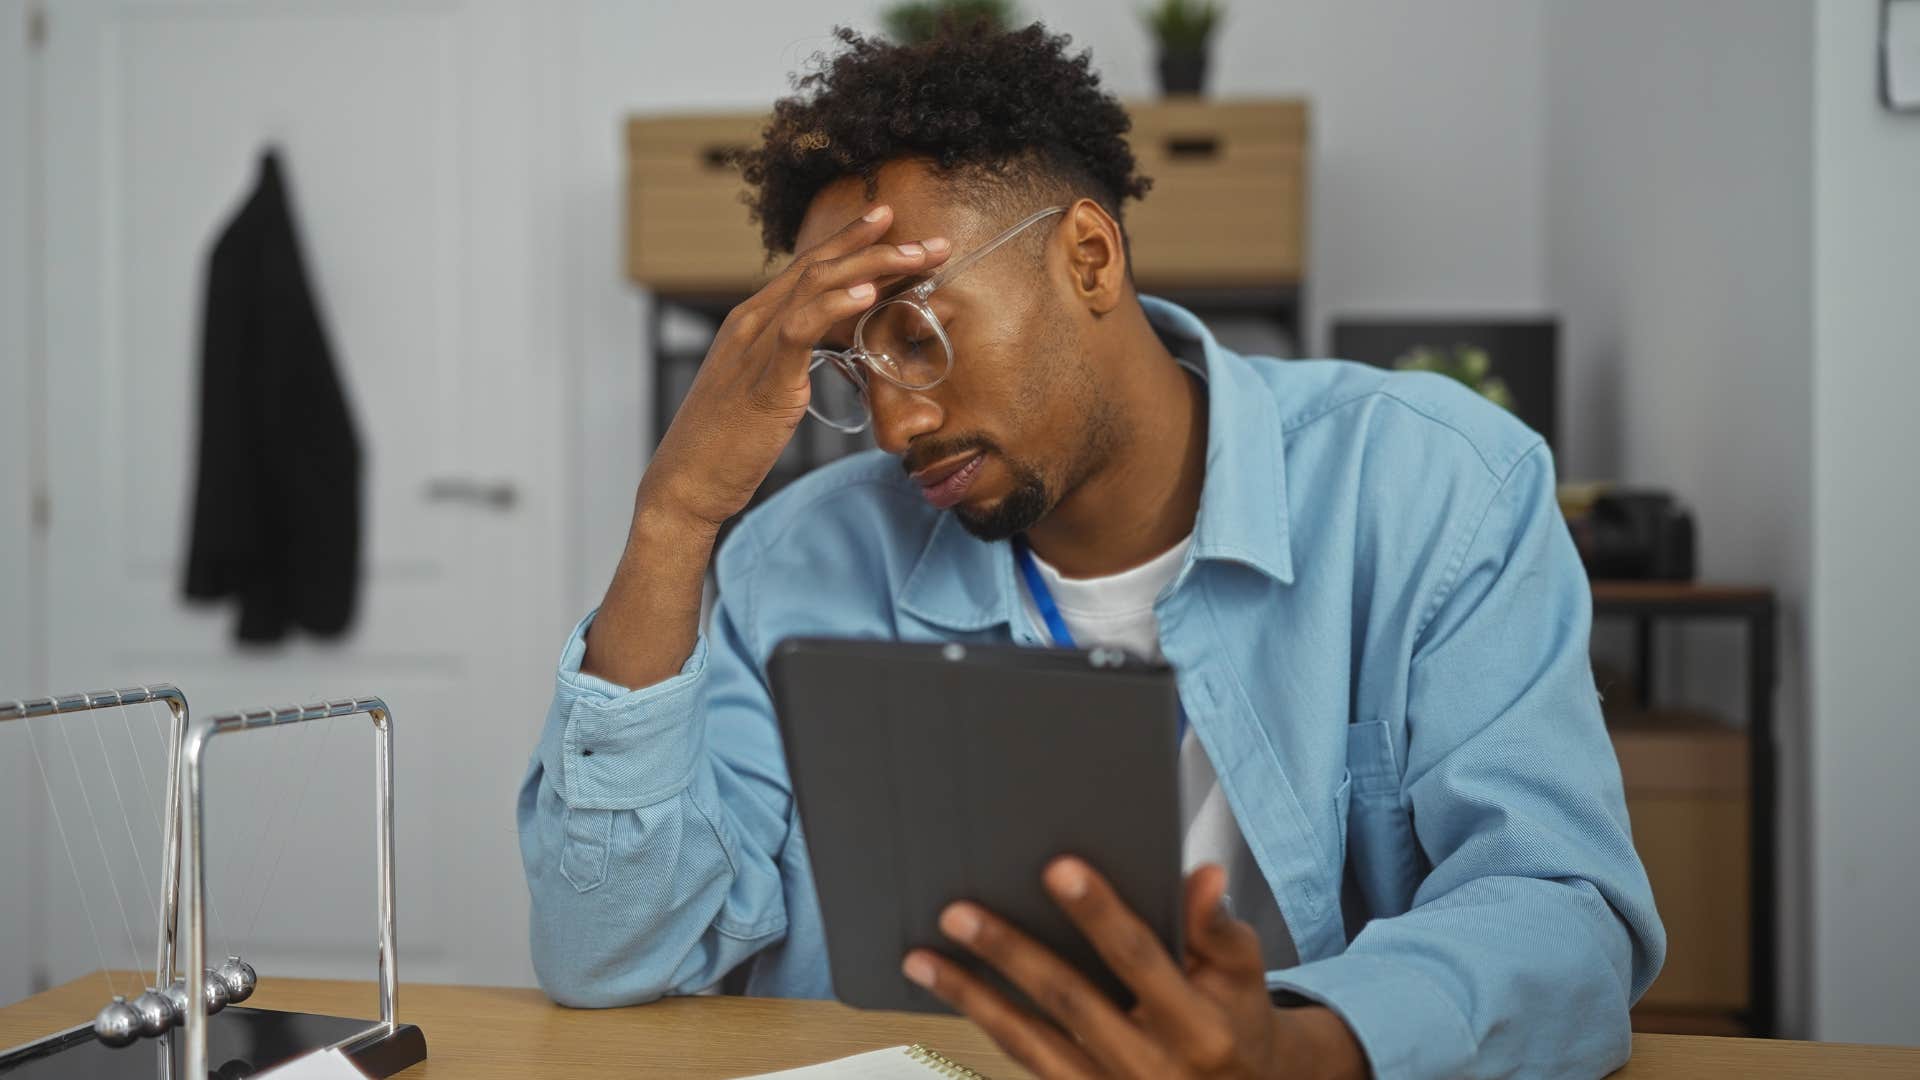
1630	535
241	1041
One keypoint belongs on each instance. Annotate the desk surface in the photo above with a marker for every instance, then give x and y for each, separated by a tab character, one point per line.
483	1033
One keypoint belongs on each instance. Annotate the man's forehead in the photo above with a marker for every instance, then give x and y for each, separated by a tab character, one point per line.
923	206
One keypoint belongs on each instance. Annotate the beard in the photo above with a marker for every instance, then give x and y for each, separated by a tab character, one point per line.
1019	510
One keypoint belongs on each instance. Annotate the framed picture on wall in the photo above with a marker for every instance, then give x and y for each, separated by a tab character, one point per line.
1900	54
1513	362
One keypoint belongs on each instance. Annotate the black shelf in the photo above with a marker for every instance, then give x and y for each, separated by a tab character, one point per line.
1645	602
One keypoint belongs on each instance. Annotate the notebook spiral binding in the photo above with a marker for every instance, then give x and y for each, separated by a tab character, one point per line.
942	1064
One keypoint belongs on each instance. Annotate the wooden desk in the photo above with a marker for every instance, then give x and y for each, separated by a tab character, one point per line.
483	1033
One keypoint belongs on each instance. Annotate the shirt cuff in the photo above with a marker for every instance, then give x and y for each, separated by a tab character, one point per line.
1406	1025
611	748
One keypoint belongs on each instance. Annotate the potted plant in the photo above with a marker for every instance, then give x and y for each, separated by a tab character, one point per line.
1182	28
916	22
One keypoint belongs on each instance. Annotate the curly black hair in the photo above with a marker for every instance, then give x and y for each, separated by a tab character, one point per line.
997	112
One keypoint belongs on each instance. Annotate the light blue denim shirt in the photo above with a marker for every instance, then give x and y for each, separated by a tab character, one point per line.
1379	634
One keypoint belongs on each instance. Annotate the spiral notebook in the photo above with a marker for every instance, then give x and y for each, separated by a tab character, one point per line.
916	1062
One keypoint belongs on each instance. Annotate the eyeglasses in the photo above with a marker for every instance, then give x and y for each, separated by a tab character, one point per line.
900	339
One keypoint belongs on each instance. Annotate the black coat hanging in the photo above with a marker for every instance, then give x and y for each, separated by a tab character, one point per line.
277	505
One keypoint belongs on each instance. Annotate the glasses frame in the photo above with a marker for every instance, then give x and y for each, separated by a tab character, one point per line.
855	362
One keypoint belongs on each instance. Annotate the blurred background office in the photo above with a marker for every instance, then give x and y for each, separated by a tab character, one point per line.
1681	236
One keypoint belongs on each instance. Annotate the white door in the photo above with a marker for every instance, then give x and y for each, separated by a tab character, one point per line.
403	130
18	784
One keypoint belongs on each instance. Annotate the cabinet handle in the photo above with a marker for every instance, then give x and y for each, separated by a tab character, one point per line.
1193	147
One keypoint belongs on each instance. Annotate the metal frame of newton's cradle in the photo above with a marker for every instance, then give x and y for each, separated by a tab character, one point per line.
385	1046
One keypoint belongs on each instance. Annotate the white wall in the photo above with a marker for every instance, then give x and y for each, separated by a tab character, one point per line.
1426	192
1426	188
1866	587
1678	154
1732	229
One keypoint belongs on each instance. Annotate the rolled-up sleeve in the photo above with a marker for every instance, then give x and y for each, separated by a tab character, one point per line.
612	747
1534	931
650	845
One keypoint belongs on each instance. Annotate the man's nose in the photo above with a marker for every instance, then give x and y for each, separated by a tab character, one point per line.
901	415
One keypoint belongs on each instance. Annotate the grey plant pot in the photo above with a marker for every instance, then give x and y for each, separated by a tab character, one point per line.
1183	71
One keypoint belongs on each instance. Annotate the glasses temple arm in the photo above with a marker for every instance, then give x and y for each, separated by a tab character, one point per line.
953	269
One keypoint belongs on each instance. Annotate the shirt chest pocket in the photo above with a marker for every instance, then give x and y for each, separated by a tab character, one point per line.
1384	862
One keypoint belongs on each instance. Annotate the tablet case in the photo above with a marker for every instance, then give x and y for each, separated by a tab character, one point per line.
927	773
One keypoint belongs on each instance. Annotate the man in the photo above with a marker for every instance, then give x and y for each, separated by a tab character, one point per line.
1394	762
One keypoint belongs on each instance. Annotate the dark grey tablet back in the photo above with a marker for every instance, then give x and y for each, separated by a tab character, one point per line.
932	773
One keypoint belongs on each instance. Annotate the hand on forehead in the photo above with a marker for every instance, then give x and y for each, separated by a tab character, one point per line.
923	206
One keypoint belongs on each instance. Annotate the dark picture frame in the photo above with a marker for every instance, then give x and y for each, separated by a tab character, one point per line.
1524	353
1891	53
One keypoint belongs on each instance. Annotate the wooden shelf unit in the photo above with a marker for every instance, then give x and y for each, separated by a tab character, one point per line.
1701	795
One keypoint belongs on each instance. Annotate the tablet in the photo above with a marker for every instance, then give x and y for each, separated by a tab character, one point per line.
928	773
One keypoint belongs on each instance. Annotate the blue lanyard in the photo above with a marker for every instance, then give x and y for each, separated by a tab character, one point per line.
1042	596
1050	611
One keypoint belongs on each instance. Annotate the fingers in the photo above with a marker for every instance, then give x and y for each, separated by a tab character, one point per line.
750	317
815	270
852	236
1032	1042
1052	984
1215	938
1168	1002
801	325
870	264
796	310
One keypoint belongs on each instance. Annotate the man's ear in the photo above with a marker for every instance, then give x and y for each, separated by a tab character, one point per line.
1096	257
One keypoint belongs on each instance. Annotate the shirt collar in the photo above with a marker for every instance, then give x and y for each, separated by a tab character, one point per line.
963	583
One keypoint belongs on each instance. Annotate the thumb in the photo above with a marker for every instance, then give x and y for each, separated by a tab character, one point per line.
1214	937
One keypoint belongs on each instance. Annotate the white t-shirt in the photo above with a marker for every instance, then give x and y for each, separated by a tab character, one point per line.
1117	612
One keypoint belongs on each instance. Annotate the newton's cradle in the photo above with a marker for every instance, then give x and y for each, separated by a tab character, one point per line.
189	1023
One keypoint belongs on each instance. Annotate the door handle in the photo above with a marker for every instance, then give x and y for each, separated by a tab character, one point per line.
491	494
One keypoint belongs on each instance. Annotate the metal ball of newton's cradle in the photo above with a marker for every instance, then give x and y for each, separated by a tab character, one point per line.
117	1024
177	997
239	977
156	1012
216	996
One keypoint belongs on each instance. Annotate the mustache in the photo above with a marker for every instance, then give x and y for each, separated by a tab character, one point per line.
919	455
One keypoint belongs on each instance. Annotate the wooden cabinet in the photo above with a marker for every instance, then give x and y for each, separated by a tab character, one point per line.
1687	795
687	228
1229	199
1228	205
